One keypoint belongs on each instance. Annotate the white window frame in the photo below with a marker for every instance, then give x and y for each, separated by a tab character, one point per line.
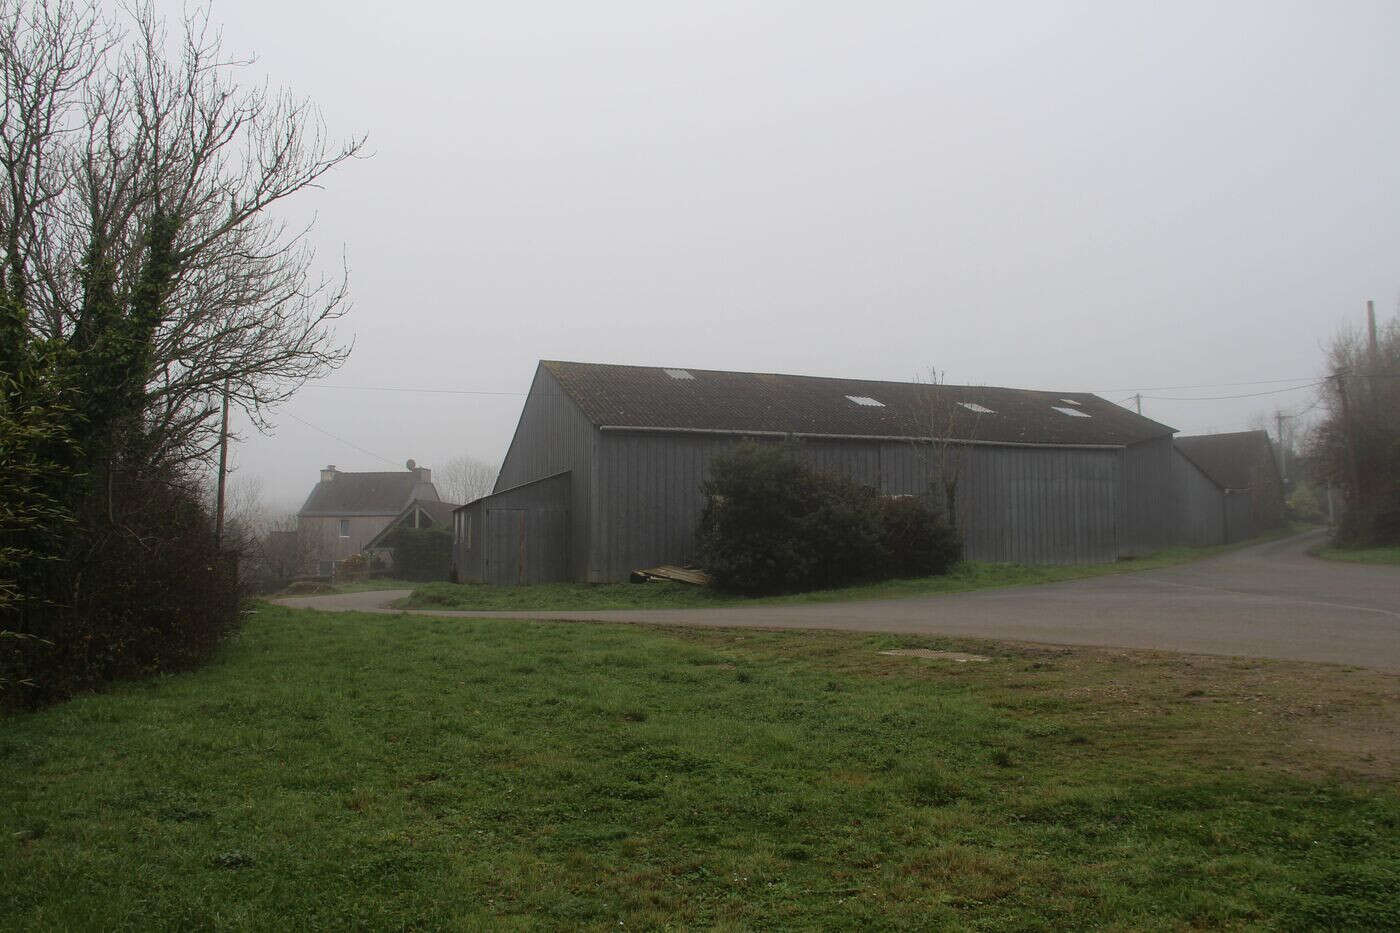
344	528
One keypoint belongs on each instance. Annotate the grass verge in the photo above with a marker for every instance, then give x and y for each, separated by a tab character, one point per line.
1373	555
366	771
664	595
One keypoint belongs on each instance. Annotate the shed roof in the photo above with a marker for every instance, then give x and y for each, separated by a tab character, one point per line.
367	493
1229	459
683	400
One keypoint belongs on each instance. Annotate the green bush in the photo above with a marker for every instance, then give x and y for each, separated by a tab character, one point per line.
771	525
421	553
917	541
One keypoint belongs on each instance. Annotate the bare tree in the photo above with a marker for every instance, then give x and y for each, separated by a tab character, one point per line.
1356	444
941	431
464	479
137	179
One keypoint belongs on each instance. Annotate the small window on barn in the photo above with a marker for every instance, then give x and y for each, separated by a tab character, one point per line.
679	374
345	527
1072	412
980	409
867	401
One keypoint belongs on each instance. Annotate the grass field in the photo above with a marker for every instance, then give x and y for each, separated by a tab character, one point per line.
1374	555
661	595
332	771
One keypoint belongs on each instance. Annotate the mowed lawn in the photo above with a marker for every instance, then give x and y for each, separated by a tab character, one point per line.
334	771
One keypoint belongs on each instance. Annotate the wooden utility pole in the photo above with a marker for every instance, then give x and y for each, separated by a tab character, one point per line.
223	473
1282	450
1371	332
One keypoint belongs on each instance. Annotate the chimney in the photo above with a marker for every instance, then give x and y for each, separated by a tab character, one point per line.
423	473
328	474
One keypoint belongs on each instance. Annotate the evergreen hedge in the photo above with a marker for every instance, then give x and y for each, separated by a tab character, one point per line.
772	525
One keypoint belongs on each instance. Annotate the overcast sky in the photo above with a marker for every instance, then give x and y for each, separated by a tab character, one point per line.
1104	197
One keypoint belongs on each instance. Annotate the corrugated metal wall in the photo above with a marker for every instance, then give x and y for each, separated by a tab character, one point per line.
1032	505
518	535
1041	505
553	436
1238	508
1147	493
1197	504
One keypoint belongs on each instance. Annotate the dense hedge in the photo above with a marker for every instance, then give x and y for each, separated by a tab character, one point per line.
136	591
771	525
421	553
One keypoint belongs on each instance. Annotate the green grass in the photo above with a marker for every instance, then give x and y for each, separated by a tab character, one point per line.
309	588
334	771
664	595
1373	555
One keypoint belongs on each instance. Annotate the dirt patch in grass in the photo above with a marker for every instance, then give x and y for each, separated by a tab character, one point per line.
930	654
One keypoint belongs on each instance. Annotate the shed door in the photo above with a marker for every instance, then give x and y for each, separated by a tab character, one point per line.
505	546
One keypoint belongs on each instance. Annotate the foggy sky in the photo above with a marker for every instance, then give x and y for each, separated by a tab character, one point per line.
1089	197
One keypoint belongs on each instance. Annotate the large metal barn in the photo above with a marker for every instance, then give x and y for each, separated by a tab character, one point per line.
603	475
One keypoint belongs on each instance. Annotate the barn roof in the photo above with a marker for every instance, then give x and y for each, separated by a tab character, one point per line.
1229	459
367	493
689	400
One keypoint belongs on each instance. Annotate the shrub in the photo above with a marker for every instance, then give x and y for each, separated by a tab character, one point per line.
140	590
772	525
916	539
750	535
421	553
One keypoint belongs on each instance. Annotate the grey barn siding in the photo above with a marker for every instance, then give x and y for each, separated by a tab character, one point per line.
1197	503
1147	488
518	535
1032	505
553	437
1040	505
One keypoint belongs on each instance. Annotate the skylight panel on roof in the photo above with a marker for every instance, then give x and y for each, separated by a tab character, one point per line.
1072	412
980	409
679	374
1070	401
867	401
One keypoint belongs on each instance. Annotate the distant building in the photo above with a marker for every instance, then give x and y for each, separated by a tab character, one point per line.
345	511
1243	465
420	514
603	475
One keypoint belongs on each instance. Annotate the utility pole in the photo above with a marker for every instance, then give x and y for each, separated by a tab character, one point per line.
1371	332
223	473
1282	450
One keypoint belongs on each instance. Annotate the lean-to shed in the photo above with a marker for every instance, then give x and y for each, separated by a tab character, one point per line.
603	475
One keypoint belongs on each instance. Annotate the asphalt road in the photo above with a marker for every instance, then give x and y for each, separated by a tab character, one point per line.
1271	600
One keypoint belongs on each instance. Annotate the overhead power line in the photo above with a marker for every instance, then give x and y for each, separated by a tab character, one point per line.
1218	398
337	437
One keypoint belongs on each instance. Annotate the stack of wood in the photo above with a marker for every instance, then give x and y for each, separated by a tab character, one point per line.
693	575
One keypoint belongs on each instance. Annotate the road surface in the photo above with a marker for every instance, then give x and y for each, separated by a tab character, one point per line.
1270	600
